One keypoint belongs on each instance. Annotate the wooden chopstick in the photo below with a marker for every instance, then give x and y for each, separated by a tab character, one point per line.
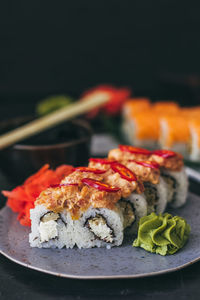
53	119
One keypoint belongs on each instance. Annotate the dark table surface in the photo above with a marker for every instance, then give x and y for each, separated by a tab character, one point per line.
17	282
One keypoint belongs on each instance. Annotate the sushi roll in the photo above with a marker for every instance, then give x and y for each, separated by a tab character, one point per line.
135	105
95	206
130	108
142	129
85	214
156	196
133	203
155	188
50	229
51	223
133	208
171	166
173	172
174	134
141	121
177	183
195	140
99	227
101	222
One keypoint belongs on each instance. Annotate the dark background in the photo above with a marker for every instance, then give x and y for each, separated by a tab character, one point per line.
49	47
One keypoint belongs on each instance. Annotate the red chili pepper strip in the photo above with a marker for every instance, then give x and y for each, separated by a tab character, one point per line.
135	150
99	185
63	184
124	172
102	161
91	170
149	164
164	153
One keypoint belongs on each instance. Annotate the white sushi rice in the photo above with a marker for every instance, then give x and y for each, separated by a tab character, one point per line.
162	196
194	146
50	234
179	194
140	208
85	238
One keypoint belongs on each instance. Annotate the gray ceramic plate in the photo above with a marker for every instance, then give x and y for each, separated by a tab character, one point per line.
119	262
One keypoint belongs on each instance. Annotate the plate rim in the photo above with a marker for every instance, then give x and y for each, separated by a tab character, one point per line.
97	277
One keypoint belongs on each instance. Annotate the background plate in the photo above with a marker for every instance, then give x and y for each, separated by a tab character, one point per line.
119	262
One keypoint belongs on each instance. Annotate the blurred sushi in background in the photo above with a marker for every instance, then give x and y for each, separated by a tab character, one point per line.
142	129
174	134
163	124
166	107
132	127
195	140
135	105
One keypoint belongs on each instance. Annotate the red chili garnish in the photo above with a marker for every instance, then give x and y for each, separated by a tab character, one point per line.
91	170
132	149
124	172
149	164
63	184
103	161
164	153
100	185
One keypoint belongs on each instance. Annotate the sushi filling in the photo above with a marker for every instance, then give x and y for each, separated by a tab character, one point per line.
172	185
99	227
48	226
49	216
128	213
151	196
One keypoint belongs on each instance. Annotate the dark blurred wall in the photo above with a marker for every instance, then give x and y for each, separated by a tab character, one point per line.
67	46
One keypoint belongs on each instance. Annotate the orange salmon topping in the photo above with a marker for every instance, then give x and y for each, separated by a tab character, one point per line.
147	125
135	105
178	130
166	107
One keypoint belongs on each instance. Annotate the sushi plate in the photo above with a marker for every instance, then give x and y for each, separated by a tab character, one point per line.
99	263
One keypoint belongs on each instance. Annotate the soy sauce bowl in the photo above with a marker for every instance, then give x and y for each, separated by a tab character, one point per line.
68	143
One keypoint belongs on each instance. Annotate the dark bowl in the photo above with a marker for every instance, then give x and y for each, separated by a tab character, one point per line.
68	143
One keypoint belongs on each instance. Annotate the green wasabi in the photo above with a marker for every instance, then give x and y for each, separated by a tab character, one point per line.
52	103
162	234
